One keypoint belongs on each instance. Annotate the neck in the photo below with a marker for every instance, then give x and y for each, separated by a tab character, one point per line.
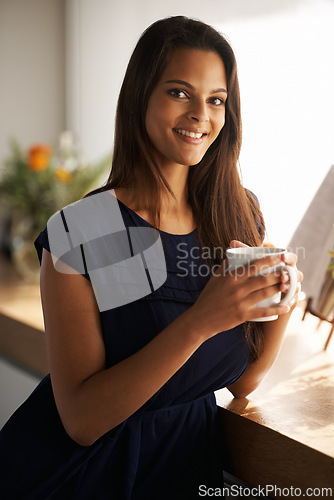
175	214
177	180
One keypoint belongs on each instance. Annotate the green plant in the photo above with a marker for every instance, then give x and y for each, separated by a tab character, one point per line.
36	183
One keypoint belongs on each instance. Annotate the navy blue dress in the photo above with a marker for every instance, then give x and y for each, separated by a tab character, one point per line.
166	449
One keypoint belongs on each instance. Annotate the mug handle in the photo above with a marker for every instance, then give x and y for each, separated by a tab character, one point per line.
293	285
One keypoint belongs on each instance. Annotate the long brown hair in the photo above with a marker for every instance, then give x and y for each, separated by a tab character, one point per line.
222	208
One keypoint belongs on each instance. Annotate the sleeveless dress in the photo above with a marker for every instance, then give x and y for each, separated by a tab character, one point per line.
166	449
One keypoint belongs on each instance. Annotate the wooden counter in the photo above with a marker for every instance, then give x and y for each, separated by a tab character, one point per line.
21	321
281	435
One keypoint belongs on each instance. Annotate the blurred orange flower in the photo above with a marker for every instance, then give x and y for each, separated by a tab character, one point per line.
36	183
63	175
39	157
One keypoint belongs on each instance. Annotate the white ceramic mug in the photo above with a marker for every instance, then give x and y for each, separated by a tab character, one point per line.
243	257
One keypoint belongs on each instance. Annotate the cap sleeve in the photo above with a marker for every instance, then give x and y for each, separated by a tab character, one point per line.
42	241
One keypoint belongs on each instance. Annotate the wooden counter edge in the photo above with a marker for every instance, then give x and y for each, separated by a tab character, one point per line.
259	455
24	345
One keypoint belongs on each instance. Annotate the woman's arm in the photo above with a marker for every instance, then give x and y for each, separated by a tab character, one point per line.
91	399
273	332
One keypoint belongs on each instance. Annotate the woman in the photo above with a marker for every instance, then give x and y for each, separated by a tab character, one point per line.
131	413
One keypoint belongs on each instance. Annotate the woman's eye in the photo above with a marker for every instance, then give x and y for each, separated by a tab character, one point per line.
217	101
179	94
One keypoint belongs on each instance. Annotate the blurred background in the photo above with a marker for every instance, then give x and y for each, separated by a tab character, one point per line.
62	63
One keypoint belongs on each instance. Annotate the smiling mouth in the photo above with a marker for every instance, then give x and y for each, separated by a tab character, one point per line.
193	135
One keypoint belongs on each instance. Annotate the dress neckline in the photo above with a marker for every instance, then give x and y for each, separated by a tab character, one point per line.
150	225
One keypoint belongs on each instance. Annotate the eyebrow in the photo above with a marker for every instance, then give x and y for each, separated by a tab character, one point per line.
186	84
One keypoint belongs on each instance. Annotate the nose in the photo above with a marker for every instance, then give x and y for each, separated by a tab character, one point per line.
198	112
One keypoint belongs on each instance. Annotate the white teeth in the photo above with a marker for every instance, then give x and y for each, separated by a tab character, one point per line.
193	135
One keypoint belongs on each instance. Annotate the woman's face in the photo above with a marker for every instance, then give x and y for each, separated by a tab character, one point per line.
186	110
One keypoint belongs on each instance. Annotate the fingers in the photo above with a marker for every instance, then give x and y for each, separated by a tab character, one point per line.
263	293
260	265
285	280
290	259
257	266
255	270
295	297
265	312
251	301
237	244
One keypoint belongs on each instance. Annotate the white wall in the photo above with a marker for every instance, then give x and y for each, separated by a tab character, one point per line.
101	36
287	79
32	68
32	108
284	51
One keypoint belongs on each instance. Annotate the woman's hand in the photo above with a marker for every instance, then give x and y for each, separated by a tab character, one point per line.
230	297
290	259
273	335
